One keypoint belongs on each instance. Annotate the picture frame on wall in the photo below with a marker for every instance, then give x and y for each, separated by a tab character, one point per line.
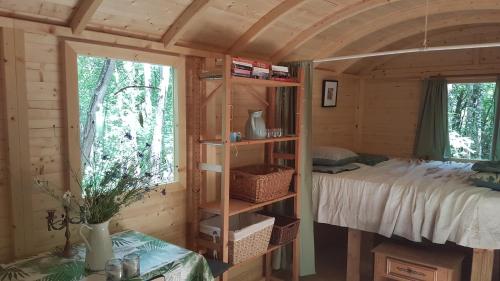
330	92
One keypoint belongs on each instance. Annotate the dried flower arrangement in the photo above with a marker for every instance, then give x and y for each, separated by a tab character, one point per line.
111	186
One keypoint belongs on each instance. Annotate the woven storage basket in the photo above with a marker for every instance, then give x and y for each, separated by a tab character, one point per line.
285	229
260	183
249	234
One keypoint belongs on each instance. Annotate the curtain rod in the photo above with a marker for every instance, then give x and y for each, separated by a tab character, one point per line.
410	51
466	75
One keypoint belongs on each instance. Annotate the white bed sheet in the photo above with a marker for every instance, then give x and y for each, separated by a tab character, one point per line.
412	200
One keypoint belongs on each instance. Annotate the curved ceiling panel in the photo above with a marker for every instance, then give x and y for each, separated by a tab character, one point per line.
277	35
456	35
53	11
383	38
303	29
221	24
361	27
147	19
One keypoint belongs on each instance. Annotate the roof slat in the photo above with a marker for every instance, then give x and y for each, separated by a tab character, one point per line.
83	14
176	29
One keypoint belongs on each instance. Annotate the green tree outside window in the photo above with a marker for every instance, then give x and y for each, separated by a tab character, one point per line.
471	120
127	109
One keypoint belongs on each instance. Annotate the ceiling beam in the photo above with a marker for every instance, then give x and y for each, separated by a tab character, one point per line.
83	14
177	28
272	16
324	23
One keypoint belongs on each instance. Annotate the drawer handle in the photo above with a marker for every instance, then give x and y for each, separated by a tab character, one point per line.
410	271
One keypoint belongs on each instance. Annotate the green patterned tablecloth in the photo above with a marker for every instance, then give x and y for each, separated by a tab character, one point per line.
157	258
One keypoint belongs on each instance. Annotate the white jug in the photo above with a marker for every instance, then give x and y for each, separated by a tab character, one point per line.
256	126
98	244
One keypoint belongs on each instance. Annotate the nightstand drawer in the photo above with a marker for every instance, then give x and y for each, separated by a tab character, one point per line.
403	270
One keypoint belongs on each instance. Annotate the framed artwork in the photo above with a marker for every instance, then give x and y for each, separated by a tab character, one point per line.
330	92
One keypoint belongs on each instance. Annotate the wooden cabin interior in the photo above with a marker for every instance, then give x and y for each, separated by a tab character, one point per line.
168	70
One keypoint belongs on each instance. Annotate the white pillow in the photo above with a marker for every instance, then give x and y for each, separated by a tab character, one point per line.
332	153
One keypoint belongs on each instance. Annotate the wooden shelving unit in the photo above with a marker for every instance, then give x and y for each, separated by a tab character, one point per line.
226	206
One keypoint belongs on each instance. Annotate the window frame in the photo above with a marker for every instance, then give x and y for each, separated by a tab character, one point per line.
72	49
465	80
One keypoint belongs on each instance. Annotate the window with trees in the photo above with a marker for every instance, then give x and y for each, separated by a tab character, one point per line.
127	110
471	119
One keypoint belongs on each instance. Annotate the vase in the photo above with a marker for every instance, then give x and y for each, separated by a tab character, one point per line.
255	127
99	248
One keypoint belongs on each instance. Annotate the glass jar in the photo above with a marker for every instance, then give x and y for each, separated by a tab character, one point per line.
131	266
114	270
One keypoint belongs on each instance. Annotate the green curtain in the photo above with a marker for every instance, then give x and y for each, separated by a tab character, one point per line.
496	133
285	118
432	140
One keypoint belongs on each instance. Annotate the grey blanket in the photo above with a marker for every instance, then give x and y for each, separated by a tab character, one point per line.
487	167
335	169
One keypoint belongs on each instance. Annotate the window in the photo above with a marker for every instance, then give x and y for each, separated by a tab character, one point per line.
127	110
471	118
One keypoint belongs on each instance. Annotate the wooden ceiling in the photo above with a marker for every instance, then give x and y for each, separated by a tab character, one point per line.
277	30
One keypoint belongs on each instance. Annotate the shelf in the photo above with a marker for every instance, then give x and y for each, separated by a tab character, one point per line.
262	82
250	142
212	142
238	206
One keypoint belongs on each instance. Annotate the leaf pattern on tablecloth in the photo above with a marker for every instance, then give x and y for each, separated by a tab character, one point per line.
157	258
12	273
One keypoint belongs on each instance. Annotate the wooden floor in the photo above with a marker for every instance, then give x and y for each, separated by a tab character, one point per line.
331	252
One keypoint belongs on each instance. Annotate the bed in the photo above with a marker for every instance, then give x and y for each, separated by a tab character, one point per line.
411	199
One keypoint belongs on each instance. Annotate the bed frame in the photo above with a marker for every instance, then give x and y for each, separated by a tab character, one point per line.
360	260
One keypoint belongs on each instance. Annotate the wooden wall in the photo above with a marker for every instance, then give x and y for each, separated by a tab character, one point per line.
377	111
390	116
5	230
335	125
161	216
393	93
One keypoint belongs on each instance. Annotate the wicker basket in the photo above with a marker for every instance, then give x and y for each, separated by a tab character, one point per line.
285	229
260	183
249	234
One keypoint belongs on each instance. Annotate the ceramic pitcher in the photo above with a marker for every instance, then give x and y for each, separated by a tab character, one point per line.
255	126
98	243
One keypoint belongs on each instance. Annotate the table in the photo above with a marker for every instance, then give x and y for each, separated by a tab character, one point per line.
157	258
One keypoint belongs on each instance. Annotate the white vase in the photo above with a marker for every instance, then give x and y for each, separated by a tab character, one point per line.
98	244
255	126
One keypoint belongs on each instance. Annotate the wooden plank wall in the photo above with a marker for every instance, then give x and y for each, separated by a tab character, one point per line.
161	216
390	116
392	94
335	125
377	112
5	222
164	217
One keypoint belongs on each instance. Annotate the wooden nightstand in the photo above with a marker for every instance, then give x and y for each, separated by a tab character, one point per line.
406	263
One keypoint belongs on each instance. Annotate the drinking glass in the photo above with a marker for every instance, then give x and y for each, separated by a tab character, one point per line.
280	132
131	266
114	270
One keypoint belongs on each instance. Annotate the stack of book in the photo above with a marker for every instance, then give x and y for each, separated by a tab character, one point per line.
260	70
280	73
242	67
